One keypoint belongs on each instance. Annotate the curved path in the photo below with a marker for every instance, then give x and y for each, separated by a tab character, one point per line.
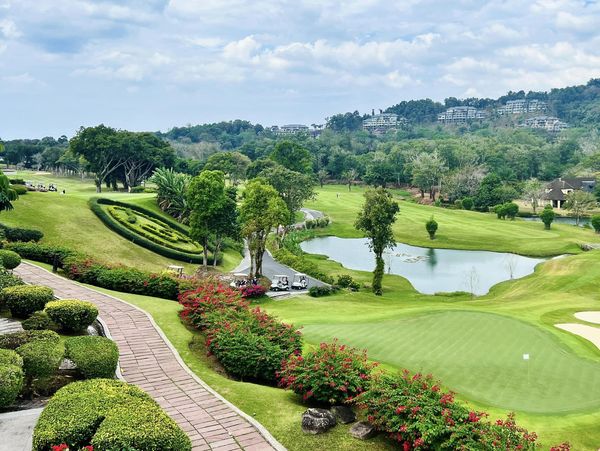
148	360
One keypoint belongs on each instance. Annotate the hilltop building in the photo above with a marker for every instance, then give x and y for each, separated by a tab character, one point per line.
381	123
289	129
548	123
461	115
557	190
522	106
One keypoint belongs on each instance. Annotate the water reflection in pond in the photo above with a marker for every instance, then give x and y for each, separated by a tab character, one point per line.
429	270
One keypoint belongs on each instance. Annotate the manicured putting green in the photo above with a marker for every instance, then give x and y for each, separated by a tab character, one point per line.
480	356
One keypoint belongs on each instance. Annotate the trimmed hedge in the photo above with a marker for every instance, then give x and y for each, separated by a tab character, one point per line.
95	357
16	339
23	300
72	315
10	357
109	415
20	189
301	264
41	252
37	321
95	205
20	234
11	383
41	358
8	280
9	259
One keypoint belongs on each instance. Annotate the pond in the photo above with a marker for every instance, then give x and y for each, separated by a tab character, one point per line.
561	220
428	270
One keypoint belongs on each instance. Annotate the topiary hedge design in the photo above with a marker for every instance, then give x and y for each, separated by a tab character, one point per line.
23	300
108	415
72	315
159	241
9	259
41	358
11	376
95	357
16	339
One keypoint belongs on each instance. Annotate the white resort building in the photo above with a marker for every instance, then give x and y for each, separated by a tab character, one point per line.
522	106
461	114
381	123
289	129
548	123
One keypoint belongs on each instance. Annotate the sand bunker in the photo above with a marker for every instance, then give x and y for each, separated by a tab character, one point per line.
588	317
590	333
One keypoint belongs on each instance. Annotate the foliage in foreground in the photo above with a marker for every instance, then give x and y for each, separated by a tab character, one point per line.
332	373
107	414
72	315
95	357
415	412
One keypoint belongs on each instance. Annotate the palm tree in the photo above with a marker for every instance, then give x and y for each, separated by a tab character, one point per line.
7	194
172	188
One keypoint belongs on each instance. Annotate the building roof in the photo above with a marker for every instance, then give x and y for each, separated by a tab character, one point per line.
554	189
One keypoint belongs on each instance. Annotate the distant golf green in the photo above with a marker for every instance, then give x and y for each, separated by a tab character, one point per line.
480	355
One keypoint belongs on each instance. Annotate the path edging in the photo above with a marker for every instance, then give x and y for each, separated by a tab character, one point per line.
263	431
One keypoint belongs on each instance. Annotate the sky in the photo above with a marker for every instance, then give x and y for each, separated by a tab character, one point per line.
155	64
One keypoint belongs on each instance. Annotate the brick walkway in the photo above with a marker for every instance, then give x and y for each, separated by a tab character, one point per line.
149	361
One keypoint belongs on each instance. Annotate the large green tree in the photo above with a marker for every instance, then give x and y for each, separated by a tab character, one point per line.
579	203
293	187
208	201
233	164
427	170
292	156
533	193
375	220
261	210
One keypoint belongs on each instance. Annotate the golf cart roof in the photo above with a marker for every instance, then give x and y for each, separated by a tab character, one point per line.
279	276
240	274
300	274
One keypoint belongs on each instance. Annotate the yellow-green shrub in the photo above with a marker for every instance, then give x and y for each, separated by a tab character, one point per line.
72	315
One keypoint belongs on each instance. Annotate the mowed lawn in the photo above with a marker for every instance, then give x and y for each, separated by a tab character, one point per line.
458	229
68	221
479	355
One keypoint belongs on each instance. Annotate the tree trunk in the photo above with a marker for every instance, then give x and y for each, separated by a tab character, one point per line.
259	260
216	251
205	253
98	185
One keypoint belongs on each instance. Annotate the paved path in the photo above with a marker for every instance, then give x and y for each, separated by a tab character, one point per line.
8	325
148	360
18	426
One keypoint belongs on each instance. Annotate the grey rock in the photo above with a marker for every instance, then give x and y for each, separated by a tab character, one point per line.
344	414
317	421
363	430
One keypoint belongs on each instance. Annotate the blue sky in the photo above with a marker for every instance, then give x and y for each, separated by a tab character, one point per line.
154	64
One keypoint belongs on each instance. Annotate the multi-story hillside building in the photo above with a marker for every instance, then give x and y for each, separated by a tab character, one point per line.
548	123
381	123
522	106
289	129
461	114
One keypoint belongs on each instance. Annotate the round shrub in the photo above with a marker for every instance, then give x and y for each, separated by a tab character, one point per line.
41	358
332	373
16	339
107	414
9	259
20	189
8	280
596	223
37	321
23	300
72	315
95	357
10	357
11	383
431	226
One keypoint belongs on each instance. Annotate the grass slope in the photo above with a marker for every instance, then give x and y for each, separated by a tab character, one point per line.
67	220
458	229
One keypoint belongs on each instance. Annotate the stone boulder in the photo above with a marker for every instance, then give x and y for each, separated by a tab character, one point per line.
317	421
363	430
343	414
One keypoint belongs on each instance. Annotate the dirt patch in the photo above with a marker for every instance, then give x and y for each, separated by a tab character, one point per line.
590	333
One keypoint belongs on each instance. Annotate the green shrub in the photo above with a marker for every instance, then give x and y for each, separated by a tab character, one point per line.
431	226
332	373
8	280
11	383
467	203
40	252
16	339
108	414
41	358
16	181
23	300
595	221
20	189
512	210
136	189
547	216
72	315
19	234
344	280
95	357
37	321
301	264
9	259
10	357
320	291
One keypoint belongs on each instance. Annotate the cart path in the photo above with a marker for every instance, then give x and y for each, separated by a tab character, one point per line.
148	360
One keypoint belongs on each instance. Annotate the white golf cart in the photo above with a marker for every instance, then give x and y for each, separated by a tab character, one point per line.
280	283
239	280
300	282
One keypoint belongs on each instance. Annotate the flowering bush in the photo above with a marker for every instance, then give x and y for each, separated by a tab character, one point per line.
65	447
332	373
249	343
414	411
253	291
